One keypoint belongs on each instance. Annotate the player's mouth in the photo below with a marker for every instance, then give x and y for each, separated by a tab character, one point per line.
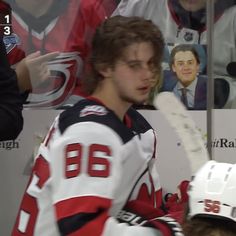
192	1
144	89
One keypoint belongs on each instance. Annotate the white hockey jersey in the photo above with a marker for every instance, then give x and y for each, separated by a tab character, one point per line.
160	12
88	168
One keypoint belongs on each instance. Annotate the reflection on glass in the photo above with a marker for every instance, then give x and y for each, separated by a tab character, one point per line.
49	46
184	22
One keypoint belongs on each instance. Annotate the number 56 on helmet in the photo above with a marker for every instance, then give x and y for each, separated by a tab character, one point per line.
212	192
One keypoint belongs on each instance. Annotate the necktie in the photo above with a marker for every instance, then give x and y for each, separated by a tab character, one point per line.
184	96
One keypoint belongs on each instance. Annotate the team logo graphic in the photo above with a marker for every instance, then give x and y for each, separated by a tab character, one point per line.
188	36
11	41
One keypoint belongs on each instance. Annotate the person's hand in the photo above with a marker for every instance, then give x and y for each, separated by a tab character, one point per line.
145	215
33	70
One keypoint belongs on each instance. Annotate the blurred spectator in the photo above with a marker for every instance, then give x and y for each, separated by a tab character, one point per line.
44	26
10	100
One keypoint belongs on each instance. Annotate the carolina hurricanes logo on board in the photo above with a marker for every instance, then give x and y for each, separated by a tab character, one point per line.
64	71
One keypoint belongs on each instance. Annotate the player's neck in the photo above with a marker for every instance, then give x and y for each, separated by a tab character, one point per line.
112	101
35	7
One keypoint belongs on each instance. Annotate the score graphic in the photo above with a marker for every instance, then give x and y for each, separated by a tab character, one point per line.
5	20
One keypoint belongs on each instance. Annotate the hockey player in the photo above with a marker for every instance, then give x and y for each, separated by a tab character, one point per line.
184	21
42	27
211	201
95	173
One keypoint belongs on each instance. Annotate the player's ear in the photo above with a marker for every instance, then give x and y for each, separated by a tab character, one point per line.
104	70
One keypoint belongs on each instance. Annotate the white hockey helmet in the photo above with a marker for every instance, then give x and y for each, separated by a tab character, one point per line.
212	192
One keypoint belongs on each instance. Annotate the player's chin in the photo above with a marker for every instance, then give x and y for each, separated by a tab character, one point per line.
140	99
137	97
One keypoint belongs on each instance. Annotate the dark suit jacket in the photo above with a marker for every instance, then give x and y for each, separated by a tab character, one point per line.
11	120
200	97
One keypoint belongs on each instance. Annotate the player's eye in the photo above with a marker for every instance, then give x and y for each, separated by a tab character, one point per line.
135	65
152	66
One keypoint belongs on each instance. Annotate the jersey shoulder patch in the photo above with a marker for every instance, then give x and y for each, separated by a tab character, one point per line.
97	110
92	111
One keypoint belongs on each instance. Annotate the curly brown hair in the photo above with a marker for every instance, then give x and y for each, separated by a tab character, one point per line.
206	226
111	39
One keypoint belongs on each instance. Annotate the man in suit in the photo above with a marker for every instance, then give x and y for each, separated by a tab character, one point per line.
185	81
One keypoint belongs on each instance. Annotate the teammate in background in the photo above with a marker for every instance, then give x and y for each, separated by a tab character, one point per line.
10	99
211	201
100	155
47	26
184	21
186	83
